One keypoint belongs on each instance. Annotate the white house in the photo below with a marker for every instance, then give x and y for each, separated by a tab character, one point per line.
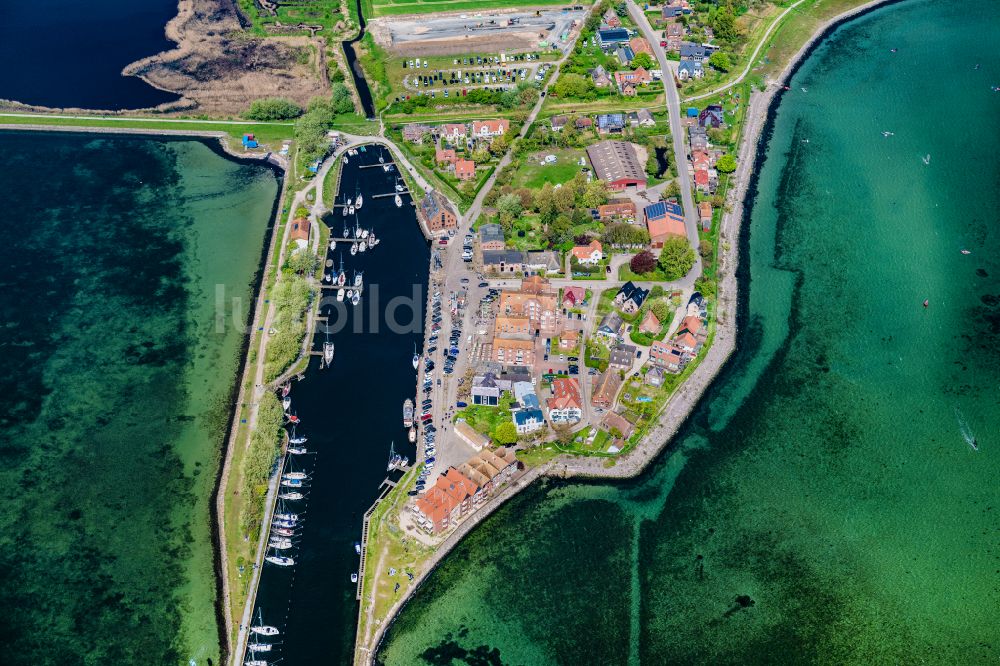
589	254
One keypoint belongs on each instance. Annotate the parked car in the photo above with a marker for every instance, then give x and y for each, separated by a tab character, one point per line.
484	284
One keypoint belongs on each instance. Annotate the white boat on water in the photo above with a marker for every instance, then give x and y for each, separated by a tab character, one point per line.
347	231
350	209
357	547
333	243
358	279
356	298
291	496
354	248
412	436
381	159
255	662
287	516
280	544
354	578
385	167
364	233
328	349
259	647
350	294
292	483
340	295
371	241
280	560
294	476
416	357
286	402
407	413
358	201
399	201
283	531
297	450
262	629
362	246
399	188
297	439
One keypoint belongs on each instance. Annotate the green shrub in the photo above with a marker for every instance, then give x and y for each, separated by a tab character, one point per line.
273	108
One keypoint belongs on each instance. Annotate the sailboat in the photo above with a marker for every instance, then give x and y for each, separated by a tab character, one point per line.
293	483
926	158
333	243
283	543
290	496
358	278
371	240
297	450
395	460
259	647
399	201
343	210
399	188
294	476
328	350
262	629
358	201
347	232
381	159
286	388
340	295
362	246
356	298
297	439
354	248
357	228
416	356
280	560
342	276
286	402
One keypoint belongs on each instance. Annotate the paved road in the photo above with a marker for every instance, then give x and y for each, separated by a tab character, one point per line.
753	58
677	132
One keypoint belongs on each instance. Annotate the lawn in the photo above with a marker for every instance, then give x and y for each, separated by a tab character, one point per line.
527	234
656	275
533	172
486	419
373	8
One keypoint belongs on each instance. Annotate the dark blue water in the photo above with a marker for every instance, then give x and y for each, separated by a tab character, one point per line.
350	413
70	53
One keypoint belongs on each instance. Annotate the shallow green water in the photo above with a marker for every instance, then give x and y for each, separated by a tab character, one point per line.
822	505
116	383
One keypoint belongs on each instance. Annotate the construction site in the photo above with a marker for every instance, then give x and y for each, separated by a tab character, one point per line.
511	31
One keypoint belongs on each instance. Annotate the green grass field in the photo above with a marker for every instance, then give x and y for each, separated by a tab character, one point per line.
374	8
533	175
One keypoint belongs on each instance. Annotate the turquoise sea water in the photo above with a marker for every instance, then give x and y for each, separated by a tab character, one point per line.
116	382
823	504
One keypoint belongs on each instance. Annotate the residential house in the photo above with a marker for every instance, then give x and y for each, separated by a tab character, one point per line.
415	132
471	436
583	123
536	284
589	254
636	77
528	420
524	393
508	351
609	38
465	169
694	51
712	116
673	35
565	405
611	19
540	310
650	324
617	164
622	356
512	327
542	260
617	209
698	137
611	325
617	422
573	297
663	220
655	376
689	69
569	339
610	123
624	54
630	297
450	498
486	390
633	118
299	232
436	212
640	45
645	118
666	355
600	77
697	306
705	215
491	237
674	8
700	159
605	388
706	180
558	122
453	132
691	324
503	261
484	129
445	156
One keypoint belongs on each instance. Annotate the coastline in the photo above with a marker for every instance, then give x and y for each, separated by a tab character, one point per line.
733	234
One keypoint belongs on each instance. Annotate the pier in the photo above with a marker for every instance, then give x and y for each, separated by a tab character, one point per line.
337	287
379	165
389	194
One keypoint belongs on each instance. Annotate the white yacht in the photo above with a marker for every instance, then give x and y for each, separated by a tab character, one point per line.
362	246
291	496
340	295
294	476
358	201
354	248
328	350
356	298
399	201
280	560
283	543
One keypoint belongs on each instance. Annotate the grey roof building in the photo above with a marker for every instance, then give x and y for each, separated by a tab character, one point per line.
611	325
544	260
616	163
622	356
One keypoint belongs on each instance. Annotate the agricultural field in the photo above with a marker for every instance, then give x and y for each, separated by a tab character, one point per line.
374	8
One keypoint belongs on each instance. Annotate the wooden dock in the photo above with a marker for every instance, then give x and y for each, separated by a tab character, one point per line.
336	287
380	165
364	537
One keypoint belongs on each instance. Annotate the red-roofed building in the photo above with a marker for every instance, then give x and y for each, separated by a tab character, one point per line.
640	45
702	182
565	405
573	296
589	254
616	209
454	131
667	356
465	169
451	497
637	77
299	233
650	324
705	215
490	128
445	156
701	160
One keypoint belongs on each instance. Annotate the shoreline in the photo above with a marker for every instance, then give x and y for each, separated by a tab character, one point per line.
732	301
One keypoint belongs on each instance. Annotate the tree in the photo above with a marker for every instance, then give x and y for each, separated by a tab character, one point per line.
643	262
643	60
596	194
564	198
705	249
620	234
720	61
676	258
661	309
480	155
341	99
509	208
303	261
574	85
545	203
273	108
726	163
559	229
705	286
672	190
506	433
499	145
725	25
